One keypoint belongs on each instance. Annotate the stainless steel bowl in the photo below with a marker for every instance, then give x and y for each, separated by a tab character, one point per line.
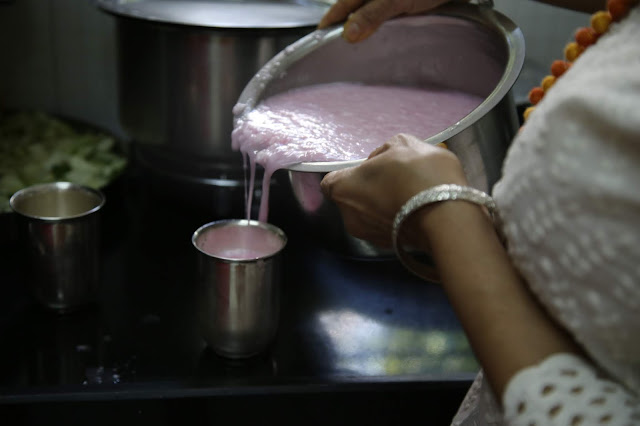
460	46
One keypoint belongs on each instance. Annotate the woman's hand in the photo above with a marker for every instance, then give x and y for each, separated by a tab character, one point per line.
365	16
370	195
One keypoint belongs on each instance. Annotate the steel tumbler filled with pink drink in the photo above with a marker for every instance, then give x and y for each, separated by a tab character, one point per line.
238	288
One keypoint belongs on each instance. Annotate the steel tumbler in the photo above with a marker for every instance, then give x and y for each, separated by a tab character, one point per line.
239	274
58	227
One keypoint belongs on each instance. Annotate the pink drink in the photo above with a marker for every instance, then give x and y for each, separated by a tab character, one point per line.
340	121
237	242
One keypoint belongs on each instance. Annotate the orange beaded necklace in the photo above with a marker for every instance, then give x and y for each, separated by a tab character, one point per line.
584	37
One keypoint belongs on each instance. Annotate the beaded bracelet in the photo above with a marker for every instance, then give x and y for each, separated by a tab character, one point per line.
433	195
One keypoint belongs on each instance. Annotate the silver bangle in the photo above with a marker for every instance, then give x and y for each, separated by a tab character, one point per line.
433	195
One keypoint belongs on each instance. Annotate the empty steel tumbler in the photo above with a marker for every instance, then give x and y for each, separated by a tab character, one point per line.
59	230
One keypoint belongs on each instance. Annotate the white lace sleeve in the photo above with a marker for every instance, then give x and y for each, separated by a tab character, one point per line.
566	390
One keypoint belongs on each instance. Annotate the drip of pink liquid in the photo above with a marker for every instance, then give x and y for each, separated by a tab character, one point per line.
337	122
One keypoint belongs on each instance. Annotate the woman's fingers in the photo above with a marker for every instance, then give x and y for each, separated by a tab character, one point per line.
379	150
401	139
339	11
363	17
329	181
366	20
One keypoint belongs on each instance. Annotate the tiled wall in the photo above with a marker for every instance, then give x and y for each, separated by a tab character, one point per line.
60	55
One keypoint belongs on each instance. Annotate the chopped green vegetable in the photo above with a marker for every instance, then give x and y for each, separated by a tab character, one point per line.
37	148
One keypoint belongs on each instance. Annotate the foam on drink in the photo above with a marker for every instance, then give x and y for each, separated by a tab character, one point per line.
236	242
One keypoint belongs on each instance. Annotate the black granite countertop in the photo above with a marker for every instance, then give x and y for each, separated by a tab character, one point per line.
358	339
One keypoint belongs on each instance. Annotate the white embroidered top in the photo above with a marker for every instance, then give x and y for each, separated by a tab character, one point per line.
569	202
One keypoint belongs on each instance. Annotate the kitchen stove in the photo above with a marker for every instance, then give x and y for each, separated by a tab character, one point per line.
363	340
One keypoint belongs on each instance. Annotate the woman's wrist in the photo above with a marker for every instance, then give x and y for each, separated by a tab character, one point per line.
404	223
449	219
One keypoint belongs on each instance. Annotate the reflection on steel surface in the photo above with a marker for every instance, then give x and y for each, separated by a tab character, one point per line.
354	335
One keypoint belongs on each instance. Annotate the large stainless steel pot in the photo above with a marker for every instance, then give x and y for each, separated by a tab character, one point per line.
182	66
467	47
